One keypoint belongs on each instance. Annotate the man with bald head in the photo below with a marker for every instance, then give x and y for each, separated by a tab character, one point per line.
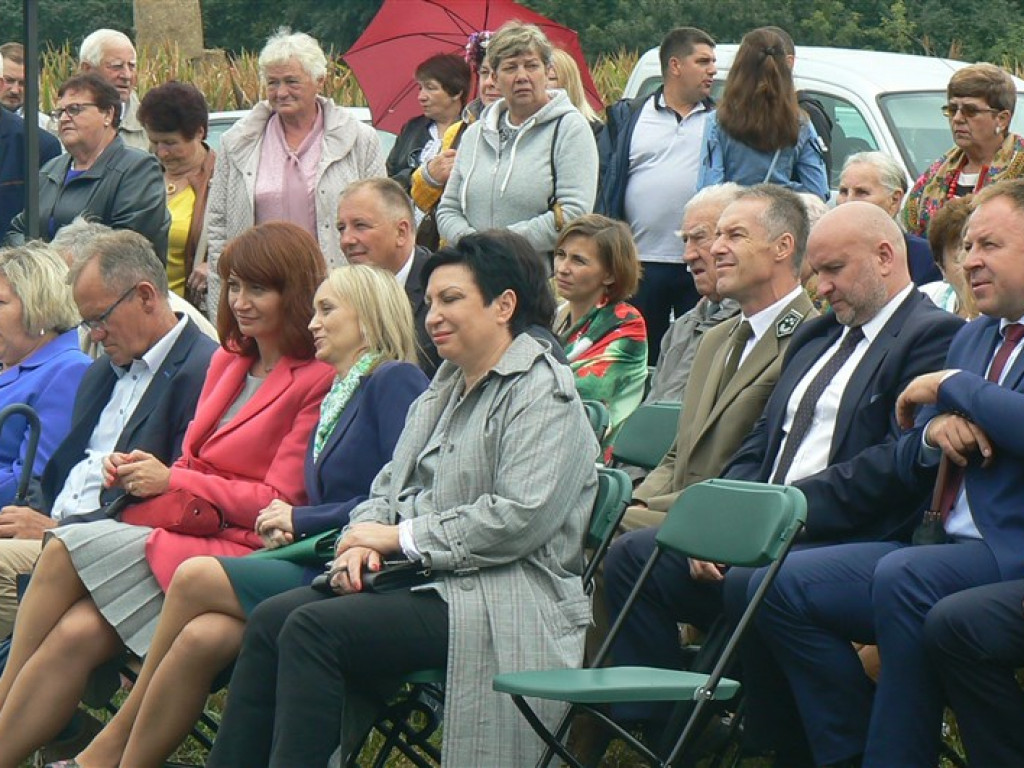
375	226
881	591
830	429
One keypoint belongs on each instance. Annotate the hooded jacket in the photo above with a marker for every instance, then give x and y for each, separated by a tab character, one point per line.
494	187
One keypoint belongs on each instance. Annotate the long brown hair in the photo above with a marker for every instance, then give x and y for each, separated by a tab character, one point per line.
759	105
286	258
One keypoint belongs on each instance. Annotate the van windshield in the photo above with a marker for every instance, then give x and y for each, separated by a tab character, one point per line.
921	131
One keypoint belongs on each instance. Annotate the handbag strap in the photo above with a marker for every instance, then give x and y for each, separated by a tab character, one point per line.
554	168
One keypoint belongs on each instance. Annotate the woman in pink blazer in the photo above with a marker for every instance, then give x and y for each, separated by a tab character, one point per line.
98	587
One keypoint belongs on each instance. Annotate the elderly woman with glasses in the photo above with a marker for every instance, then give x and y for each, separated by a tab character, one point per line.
290	158
980	103
99	177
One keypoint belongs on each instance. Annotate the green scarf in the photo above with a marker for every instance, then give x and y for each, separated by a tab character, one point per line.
337	398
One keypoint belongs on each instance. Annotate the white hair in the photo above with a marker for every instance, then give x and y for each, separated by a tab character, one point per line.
285	45
96	42
890	175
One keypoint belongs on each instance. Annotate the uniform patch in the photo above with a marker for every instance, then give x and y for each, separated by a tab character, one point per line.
788	324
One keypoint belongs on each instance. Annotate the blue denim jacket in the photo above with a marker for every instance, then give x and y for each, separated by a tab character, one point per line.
801	168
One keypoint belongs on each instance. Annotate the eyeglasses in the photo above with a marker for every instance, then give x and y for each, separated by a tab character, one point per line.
967	110
72	110
100	323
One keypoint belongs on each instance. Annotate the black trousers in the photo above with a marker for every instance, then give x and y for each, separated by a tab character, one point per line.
301	651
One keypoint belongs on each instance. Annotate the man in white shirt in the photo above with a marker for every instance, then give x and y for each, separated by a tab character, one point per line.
141	394
650	154
375	226
829	426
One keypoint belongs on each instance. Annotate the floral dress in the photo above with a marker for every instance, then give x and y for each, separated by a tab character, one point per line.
607	351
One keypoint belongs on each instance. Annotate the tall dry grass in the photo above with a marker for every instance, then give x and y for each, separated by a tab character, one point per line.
235	84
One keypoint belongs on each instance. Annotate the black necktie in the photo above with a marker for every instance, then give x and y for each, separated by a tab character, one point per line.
804	415
737	344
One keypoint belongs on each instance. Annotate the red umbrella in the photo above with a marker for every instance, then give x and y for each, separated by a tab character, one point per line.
405	32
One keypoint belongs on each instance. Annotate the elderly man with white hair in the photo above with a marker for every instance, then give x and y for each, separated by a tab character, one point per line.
876	178
110	54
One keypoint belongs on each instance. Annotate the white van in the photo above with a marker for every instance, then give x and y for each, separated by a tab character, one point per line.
885	101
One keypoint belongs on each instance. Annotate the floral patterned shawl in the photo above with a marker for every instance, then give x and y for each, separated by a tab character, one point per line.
607	351
932	190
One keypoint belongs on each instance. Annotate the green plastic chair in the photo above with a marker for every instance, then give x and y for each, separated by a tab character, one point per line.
646	435
396	723
598	416
723	521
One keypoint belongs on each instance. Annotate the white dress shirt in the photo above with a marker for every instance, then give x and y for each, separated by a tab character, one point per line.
813	454
81	492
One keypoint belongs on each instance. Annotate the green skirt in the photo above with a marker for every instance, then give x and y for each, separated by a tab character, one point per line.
254	580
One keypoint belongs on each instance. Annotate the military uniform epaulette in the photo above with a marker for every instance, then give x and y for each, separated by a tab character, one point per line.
788	323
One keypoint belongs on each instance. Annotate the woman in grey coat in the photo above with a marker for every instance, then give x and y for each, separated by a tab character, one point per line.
490	488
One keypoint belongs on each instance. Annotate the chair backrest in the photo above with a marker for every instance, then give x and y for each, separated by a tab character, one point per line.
646	435
734	521
598	416
614	490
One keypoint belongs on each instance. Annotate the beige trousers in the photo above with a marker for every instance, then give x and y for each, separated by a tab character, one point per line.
17	556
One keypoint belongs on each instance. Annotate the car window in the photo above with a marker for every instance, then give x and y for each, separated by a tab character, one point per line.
850	131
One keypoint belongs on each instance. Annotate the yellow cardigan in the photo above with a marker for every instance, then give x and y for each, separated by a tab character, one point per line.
423	193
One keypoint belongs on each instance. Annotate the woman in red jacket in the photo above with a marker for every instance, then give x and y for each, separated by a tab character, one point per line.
98	587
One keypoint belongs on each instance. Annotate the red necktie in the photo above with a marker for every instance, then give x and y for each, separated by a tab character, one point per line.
952	478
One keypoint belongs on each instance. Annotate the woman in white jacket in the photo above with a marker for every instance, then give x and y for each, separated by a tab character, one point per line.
529	164
291	156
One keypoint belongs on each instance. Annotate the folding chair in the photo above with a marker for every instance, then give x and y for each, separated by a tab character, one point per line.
647	435
722	521
409	721
598	416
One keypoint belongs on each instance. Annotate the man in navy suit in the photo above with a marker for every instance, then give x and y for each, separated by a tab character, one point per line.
881	592
140	395
376	226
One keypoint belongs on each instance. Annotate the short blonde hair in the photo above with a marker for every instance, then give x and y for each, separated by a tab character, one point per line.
38	277
385	317
567	72
285	45
514	38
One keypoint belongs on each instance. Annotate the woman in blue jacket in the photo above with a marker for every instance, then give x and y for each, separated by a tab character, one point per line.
362	325
42	362
758	134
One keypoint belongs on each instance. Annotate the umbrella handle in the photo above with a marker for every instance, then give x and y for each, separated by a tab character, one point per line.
35	428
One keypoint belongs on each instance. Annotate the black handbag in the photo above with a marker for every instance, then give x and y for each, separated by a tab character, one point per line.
393	576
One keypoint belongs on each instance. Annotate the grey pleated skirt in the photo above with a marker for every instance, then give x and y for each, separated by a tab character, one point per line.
110	558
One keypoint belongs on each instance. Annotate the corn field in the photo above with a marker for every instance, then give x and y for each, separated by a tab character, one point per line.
233	83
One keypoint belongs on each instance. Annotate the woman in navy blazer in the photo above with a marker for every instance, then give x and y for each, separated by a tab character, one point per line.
42	364
362	325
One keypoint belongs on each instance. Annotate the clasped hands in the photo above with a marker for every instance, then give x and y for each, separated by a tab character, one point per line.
364	547
955	435
140	473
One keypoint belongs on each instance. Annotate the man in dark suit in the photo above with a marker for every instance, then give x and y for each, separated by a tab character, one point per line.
376	226
12	164
759	246
140	395
880	592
